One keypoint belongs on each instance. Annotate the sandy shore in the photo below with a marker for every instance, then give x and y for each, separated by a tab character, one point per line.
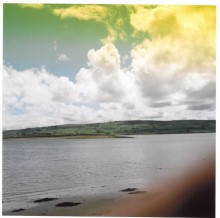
94	205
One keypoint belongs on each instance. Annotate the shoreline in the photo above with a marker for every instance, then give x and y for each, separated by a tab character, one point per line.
115	129
89	205
98	136
71	137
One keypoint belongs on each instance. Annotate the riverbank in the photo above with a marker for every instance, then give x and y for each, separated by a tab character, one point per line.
115	129
71	137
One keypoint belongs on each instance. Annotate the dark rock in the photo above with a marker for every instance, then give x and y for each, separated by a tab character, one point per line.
45	200
137	192
129	190
67	204
18	210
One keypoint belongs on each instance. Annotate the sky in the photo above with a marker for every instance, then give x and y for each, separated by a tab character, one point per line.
90	63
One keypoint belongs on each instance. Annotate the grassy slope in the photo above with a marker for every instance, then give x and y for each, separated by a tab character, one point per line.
110	129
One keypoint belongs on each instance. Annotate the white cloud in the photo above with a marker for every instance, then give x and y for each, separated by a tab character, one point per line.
82	12
105	80
35	98
106	58
182	37
63	57
104	91
33	6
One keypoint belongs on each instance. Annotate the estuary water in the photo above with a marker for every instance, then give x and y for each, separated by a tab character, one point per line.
50	167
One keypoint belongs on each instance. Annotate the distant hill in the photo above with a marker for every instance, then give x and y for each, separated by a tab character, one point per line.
116	128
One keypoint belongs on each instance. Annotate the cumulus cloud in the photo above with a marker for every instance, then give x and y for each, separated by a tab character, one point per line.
104	78
104	91
202	107
63	57
207	91
182	37
169	74
176	31
107	16
33	6
179	59
37	98
106	58
82	12
160	104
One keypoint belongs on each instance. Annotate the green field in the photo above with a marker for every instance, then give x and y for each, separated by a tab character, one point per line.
115	129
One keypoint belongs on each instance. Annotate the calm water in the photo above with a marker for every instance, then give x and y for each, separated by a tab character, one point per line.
34	168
